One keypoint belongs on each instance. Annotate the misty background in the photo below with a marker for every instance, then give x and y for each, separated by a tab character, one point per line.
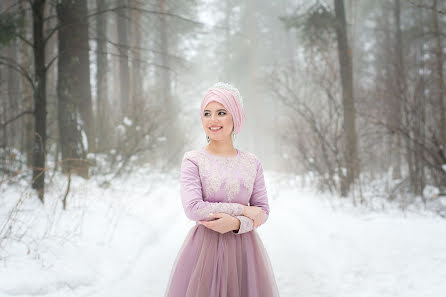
346	98
346	95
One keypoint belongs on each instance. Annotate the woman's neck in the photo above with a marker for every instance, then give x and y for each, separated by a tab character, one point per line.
221	148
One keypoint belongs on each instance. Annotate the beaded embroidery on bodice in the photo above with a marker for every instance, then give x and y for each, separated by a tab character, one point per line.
232	171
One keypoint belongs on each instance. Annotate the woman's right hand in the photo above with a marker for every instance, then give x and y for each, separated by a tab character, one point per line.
255	213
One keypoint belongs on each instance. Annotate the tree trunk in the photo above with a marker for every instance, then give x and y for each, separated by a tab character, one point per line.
385	97
400	95
402	103
174	139
84	99
26	90
4	108
440	80
101	74
346	71
135	73
13	96
39	150
122	16
73	85
420	111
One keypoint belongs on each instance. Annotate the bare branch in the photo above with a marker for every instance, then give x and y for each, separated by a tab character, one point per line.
11	63
118	8
2	125
425	6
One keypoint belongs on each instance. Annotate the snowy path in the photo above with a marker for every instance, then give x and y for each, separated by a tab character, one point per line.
315	251
322	252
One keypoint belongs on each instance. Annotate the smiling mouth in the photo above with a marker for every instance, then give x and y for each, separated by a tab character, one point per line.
214	129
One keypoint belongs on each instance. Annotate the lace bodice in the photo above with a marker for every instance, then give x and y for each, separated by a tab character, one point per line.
212	183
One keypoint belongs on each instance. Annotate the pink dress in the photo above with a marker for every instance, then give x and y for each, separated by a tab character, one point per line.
233	264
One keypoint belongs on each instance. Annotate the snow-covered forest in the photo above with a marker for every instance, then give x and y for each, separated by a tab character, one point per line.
345	104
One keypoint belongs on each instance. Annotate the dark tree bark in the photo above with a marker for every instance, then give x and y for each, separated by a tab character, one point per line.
26	90
13	95
346	70
73	86
39	151
10	80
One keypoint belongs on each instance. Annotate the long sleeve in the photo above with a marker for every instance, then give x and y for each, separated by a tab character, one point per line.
259	197
246	225
192	196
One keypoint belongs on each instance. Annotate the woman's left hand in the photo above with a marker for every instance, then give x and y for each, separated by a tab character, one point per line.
223	223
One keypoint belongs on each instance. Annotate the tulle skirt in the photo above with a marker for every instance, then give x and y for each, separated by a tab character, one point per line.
210	264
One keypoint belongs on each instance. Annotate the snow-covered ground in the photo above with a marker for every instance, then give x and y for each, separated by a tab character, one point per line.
122	241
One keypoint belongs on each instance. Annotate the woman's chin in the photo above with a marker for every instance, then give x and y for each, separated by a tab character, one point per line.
221	138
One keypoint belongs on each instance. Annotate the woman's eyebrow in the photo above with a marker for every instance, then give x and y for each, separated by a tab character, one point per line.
217	110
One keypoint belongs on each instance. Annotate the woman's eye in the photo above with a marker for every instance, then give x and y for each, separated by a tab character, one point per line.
219	113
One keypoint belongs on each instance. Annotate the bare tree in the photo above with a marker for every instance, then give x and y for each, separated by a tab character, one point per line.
346	70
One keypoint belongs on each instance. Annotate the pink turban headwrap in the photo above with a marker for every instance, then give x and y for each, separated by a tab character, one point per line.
230	98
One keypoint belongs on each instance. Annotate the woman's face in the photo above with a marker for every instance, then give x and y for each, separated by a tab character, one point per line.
215	115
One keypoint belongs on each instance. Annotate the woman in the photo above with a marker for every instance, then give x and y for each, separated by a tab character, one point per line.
222	255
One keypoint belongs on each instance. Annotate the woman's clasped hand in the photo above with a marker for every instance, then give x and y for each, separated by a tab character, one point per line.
223	222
